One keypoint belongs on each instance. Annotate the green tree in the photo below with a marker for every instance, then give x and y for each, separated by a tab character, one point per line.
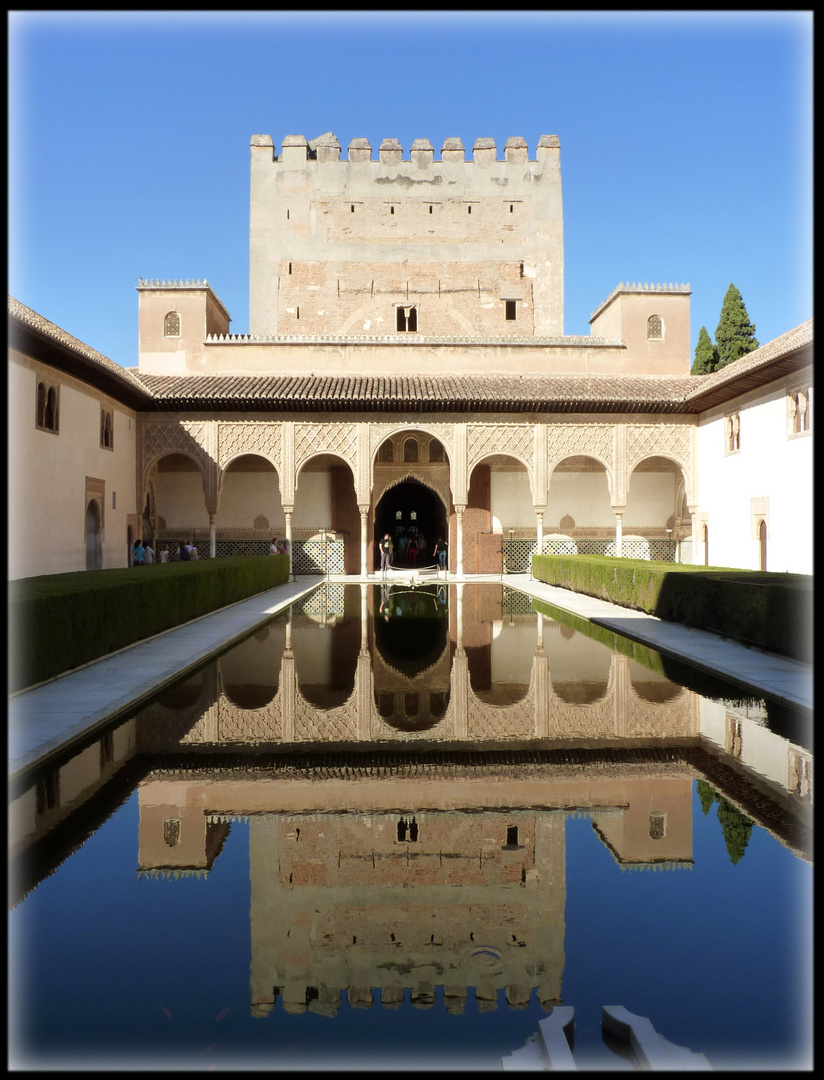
736	828
706	355
735	334
706	793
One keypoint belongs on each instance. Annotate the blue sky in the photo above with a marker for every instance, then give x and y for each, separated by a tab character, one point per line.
686	144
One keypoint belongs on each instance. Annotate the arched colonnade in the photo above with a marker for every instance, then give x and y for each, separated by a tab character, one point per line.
533	481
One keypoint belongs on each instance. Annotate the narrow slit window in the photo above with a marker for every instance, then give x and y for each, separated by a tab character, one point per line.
511	313
430	209
352	208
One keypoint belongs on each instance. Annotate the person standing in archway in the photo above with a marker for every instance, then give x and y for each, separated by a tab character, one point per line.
386	553
412	552
440	553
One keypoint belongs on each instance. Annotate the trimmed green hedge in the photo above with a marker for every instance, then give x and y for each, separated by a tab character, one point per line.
60	621
769	611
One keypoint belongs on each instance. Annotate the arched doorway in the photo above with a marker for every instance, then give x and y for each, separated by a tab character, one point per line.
410	508
94	541
762	545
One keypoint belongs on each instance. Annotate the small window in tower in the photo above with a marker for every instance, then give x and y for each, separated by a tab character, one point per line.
290	268
287	215
171	325
297	312
510	310
407	319
352	208
430	209
655	328
512	836
511	208
469	209
391	209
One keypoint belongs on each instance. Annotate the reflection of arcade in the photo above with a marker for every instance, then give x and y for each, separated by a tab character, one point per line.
446	664
372	880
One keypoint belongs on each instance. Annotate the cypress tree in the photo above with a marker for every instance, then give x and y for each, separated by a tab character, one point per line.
706	355
735	334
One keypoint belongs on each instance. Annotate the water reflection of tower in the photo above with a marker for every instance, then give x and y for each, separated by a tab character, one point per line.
351	904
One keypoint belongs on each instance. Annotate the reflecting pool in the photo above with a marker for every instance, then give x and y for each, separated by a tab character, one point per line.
393	828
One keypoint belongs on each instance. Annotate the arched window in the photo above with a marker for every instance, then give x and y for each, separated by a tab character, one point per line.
171	325
435	451
50	422
410	450
386	451
41	405
655	328
106	430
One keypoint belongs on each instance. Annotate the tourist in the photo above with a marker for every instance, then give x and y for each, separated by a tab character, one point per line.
440	552
273	547
193	555
403	543
183	553
386	553
148	555
137	553
412	552
164	553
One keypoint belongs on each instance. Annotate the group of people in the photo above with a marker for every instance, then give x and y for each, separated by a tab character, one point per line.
144	555
277	547
408	552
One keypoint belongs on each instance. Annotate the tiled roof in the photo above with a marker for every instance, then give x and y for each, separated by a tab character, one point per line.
440	393
782	355
45	341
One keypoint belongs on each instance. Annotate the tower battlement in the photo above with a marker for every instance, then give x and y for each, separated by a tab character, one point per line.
295	150
404	241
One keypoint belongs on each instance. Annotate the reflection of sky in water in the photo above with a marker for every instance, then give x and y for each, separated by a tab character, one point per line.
630	875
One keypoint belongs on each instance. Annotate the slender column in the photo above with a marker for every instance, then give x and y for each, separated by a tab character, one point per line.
459	616
695	533
288	515
619	536
364	643
212	535
459	511
364	510
540	516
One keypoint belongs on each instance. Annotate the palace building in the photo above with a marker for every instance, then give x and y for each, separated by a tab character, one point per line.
406	371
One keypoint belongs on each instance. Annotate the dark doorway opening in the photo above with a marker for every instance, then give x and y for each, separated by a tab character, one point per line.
410	509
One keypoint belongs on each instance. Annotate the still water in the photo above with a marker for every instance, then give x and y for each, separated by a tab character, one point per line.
393	828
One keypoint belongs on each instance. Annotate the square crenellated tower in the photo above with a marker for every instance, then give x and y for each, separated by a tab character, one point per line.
364	247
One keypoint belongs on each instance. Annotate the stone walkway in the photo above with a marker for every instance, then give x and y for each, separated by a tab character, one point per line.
43	720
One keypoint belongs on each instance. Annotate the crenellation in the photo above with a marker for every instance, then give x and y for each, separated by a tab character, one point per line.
452	150
484	152
391	152
516	151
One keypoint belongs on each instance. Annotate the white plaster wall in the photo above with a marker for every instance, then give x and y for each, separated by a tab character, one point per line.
80	773
650	499
244	496
181	502
47	474
510	500
313	501
763	751
584	496
769	464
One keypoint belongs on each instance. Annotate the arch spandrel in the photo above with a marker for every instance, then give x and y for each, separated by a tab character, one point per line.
249	437
340	439
192	439
674	442
515	440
